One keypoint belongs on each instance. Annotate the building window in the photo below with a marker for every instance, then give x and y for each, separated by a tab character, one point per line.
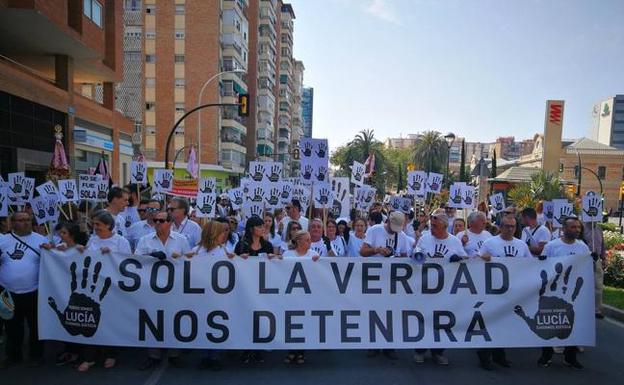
179	34
179	131
602	172
178	58
93	10
150	58
151	34
150	9
132	5
180	9
150	82
179	107
150	130
150	106
180	83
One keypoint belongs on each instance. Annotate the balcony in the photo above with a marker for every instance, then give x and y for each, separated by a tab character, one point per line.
284	134
229	135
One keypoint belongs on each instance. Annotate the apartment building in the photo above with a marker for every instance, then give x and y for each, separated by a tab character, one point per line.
608	122
307	107
59	62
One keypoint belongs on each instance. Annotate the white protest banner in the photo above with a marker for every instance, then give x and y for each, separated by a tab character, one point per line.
357	173
256	192
364	197
88	186
341	205
207	185
455	198
40	209
52	208
68	191
273	192
468	193
592	207
406	205
306	147
138	173
561	209
286	195
102	191
497	201
295	303
434	183
395	202
273	172
257	171
20	188
322	195
236	196
253	209
417	183
549	210
163	180
48	189
206	205
321	149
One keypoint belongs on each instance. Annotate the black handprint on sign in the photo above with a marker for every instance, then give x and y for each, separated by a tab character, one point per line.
258	173
207	205
358	174
18	251
593	207
40	210
322	150
255	211
28	185
208	187
82	313
165	182
564	212
336	208
68	193
416	182
322	172
406	205
307	172
554	317
435	183
51	209
468	198
139	172
498	203
49	190
457	198
323	198
307	149
257	195
238	198
286	190
273	199
510	251
102	192
17	185
274	175
370	195
440	251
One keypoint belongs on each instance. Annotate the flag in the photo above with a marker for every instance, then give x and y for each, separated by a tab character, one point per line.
370	165
102	169
192	167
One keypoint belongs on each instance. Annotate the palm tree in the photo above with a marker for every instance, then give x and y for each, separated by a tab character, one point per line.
430	151
543	186
365	140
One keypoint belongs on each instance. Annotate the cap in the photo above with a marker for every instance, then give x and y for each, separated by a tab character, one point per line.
396	219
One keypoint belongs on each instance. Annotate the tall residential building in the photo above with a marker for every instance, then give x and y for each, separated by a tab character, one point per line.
287	71
507	148
297	114
608	122
307	113
59	62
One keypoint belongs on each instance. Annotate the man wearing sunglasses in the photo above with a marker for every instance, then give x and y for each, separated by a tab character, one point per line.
293	213
145	226
179	210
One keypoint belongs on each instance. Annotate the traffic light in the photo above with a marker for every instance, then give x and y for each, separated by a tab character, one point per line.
243	105
571	189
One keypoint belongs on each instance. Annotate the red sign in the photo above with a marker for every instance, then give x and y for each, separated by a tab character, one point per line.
184	188
555	114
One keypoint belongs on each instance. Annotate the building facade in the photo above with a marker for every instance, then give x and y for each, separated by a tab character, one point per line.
73	88
608	122
307	111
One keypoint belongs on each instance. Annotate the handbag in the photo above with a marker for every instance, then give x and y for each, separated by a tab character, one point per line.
7	307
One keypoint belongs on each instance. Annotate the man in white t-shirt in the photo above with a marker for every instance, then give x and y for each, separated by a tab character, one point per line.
117	202
293	213
475	235
19	274
146	226
568	244
179	209
505	244
438	246
387	239
534	234
317	244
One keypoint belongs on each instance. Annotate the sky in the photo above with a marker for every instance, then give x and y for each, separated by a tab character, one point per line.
477	68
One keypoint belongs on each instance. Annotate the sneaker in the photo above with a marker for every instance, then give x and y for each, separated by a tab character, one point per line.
544	362
419	358
440	359
573	364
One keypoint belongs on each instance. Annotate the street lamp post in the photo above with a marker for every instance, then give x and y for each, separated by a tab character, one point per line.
449	138
199	100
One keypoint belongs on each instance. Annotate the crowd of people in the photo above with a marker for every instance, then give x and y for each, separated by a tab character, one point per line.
169	229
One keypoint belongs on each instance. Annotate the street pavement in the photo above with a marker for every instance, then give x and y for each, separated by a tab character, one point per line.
604	364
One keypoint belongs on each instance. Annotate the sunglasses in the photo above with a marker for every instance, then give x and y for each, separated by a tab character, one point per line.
161	220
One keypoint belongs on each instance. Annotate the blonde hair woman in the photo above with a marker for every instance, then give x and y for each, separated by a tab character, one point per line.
213	237
301	242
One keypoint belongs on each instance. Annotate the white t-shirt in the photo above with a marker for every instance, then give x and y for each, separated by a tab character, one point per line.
284	247
128	217
275	240
303	221
217	252
19	265
293	254
116	244
137	231
190	230
475	241
558	248
176	243
339	246
440	249
536	235
231	245
378	236
319	247
498	247
354	246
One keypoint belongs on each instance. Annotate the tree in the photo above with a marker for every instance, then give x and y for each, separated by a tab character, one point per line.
493	173
365	140
400	183
462	165
543	186
430	151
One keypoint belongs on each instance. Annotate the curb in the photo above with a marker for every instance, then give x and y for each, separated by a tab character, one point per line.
613	312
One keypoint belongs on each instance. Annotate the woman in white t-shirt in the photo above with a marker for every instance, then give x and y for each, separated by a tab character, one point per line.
338	245
104	239
356	238
301	242
291	229
270	234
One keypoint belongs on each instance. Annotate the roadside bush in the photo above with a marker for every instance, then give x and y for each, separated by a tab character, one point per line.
614	267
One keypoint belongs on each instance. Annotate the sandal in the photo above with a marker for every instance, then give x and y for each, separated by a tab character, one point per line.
290	359
300	359
109	363
85	366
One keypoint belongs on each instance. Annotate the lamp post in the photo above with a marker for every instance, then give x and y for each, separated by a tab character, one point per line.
199	101
449	138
